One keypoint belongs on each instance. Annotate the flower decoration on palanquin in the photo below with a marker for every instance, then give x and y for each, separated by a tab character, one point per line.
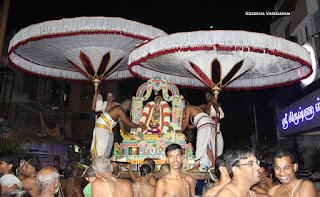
89	71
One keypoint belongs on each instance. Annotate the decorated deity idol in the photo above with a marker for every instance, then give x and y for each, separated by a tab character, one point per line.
156	114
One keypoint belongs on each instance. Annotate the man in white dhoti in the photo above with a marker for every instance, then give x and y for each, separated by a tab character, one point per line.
214	110
103	135
205	145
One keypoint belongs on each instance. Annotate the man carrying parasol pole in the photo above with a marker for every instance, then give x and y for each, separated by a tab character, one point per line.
98	105
213	109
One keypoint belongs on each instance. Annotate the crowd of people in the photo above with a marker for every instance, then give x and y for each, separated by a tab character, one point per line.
238	171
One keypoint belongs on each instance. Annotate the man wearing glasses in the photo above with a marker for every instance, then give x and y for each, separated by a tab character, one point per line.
244	170
285	166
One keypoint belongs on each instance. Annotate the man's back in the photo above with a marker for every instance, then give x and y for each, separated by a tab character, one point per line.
143	188
111	186
205	108
71	188
115	111
110	105
30	185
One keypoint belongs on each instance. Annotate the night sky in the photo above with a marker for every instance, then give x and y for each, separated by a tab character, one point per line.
176	16
170	16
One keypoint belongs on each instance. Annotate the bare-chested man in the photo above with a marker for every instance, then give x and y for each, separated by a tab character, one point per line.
143	187
205	144
30	169
223	176
285	166
244	170
71	185
148	161
99	106
175	183
48	181
107	184
103	135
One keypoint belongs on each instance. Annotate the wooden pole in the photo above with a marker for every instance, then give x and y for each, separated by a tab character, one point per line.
256	132
4	19
216	91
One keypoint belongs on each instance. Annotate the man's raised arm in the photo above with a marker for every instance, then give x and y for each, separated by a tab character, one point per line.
94	100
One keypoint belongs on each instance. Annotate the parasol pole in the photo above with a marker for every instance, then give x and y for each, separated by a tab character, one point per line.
215	90
96	83
3	23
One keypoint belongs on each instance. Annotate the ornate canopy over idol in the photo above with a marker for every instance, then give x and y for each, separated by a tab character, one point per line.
222	59
84	48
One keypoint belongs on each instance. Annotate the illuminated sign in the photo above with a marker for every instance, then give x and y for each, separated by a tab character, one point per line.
301	116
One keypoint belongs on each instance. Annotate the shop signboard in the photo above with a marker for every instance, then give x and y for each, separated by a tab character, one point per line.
301	116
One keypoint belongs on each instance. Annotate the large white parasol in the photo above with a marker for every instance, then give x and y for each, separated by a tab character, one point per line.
222	59
84	48
218	59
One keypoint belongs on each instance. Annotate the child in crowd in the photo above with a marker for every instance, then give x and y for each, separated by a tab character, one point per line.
90	177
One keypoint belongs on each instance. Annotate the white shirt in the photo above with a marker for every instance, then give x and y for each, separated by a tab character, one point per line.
10	180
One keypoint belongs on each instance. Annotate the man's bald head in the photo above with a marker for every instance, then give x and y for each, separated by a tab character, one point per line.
101	165
47	177
126	104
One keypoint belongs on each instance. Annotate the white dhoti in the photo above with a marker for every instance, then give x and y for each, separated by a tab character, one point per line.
103	136
205	138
